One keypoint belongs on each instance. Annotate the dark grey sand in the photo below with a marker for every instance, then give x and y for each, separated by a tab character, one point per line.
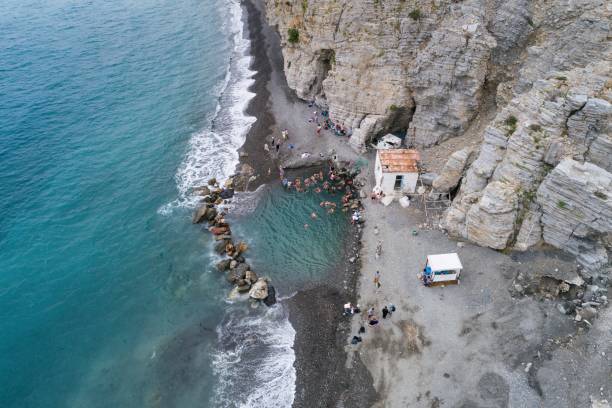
323	379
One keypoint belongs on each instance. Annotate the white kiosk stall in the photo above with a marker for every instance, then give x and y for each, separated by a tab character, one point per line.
442	269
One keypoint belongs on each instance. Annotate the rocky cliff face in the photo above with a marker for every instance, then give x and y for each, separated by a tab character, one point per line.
431	67
543	171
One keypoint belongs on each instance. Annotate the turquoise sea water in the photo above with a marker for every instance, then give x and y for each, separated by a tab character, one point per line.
109	113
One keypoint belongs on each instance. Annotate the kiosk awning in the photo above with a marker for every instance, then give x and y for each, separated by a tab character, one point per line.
444	262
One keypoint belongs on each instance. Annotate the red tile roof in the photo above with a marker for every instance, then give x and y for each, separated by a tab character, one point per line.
399	160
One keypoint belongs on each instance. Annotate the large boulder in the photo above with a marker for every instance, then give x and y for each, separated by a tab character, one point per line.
219	230
232	277
251	276
259	290
224	265
427	178
221	245
453	170
241	269
211	213
200	214
227	193
491	222
271	298
202	191
241	248
243	286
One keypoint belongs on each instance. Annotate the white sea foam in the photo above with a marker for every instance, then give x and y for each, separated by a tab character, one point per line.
245	202
254	359
254	362
212	152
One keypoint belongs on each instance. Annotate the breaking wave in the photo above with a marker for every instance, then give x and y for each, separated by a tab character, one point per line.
254	360
254	357
213	152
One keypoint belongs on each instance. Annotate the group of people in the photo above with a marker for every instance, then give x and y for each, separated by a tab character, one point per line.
276	143
336	181
324	122
372	319
303	186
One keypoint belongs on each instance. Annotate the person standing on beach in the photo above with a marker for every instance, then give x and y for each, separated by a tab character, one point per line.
318	130
385	312
377	279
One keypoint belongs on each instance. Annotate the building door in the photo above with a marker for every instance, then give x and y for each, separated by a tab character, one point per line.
398	182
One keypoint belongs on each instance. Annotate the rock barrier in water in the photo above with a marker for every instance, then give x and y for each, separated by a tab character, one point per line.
237	271
234	265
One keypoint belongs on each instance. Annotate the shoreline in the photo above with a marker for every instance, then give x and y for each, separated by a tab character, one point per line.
315	311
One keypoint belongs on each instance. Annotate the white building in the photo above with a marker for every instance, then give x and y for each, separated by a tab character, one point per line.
389	142
396	171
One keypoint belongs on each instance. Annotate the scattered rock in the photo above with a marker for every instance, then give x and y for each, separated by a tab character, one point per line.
202	191
200	214
564	287
212	181
219	230
232	277
211	213
271	298
250	276
233	263
227	193
242	268
566	308
224	265
259	290
245	287
220	247
242	248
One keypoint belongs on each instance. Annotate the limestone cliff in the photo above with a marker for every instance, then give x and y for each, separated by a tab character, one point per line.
429	66
543	171
540	68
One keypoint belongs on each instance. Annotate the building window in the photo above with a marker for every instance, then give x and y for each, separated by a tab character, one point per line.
398	182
